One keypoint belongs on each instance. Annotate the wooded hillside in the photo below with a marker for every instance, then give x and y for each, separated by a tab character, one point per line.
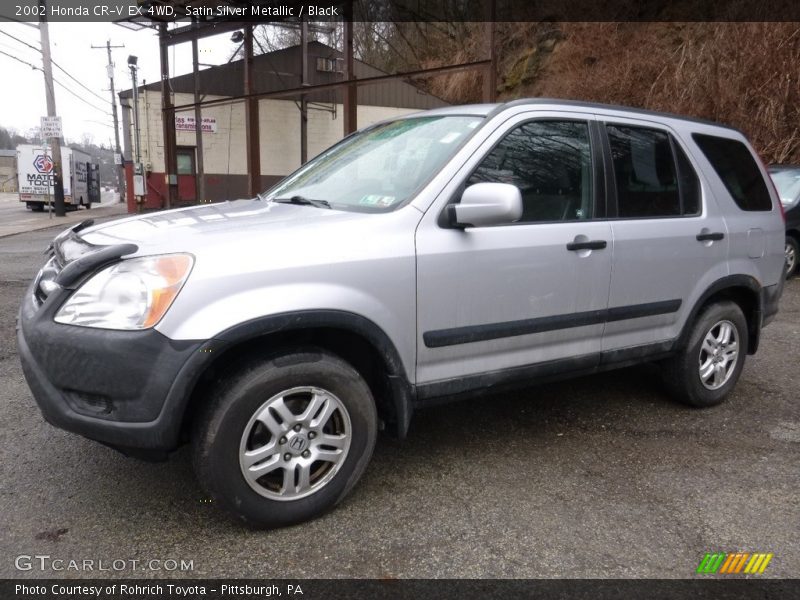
742	74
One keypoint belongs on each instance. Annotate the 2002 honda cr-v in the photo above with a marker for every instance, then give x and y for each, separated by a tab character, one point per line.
446	252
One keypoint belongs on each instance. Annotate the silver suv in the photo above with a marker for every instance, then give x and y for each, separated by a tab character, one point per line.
453	251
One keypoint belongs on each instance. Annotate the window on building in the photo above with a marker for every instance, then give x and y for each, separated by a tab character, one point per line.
185	161
328	65
551	164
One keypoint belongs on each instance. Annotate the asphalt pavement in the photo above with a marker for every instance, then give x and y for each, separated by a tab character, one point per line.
16	218
602	476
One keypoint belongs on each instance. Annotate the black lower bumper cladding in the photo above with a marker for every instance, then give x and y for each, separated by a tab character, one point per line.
126	389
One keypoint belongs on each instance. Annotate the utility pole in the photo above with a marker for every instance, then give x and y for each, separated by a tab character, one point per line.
55	143
117	149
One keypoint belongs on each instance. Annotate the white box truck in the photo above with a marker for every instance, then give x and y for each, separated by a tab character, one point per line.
35	168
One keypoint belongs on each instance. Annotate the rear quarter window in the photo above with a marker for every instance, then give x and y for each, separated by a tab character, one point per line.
737	169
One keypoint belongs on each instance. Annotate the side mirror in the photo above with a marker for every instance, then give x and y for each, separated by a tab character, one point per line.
486	204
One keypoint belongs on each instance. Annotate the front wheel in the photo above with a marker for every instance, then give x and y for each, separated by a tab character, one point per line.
286	438
791	251
705	372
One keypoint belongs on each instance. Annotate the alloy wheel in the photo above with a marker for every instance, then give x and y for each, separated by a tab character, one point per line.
790	253
295	443
718	355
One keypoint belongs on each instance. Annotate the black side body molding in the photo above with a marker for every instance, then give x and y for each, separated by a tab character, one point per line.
492	331
446	390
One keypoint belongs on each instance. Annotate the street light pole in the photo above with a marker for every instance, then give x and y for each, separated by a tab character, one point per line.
55	143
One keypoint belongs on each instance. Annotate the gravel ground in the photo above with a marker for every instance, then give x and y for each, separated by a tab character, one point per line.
601	476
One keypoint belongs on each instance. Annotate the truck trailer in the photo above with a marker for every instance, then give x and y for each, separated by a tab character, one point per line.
35	172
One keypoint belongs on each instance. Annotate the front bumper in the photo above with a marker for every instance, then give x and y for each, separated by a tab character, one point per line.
126	389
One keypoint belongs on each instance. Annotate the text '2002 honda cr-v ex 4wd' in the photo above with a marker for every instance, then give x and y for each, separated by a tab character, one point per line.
452	251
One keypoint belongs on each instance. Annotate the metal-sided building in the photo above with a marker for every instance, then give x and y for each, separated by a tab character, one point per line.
8	170
223	126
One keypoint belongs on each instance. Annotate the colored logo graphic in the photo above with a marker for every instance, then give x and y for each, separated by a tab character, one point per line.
43	163
732	563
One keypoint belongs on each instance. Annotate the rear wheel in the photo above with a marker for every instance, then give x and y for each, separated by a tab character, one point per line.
286	439
707	369
792	253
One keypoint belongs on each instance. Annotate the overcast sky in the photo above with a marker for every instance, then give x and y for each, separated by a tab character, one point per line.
22	99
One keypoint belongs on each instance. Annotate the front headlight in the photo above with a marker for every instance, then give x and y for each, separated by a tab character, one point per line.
131	294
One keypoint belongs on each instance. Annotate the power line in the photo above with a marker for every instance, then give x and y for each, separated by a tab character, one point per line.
76	81
55	64
103	123
20	41
84	100
34	67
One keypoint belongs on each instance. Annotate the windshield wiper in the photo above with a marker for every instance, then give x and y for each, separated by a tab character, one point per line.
303	201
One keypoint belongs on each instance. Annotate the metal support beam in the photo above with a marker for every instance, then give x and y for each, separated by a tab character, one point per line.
187	33
168	118
490	73
321	87
200	186
303	98
251	118
351	90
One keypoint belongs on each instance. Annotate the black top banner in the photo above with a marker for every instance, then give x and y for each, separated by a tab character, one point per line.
260	11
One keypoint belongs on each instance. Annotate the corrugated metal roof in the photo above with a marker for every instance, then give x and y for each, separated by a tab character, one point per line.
280	70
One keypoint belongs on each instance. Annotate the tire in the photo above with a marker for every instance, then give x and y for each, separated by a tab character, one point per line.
792	252
227	429
682	373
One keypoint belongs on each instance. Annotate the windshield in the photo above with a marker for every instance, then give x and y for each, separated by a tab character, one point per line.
379	168
788	183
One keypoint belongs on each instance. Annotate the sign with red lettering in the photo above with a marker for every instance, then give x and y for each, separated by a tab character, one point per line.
186	123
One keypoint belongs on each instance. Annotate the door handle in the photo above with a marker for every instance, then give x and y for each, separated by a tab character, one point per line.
710	237
589	245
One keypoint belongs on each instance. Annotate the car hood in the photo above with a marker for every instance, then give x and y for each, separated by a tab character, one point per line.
225	223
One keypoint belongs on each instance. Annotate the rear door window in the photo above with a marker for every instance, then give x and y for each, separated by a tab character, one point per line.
737	169
654	178
644	171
